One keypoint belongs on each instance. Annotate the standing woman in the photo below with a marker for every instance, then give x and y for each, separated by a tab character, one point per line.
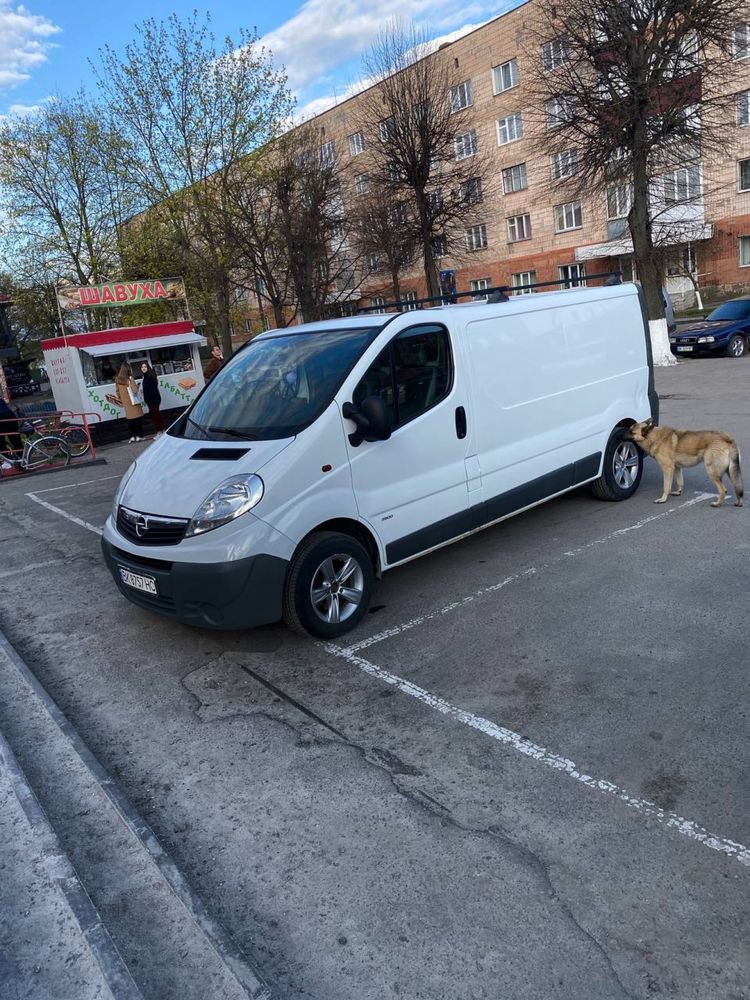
127	392
152	397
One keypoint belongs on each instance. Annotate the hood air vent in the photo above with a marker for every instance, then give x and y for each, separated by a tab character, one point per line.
219	454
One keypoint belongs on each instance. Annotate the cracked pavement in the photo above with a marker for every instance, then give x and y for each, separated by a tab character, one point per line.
358	844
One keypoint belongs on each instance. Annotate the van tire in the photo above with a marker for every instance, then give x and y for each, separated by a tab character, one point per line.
622	468
319	558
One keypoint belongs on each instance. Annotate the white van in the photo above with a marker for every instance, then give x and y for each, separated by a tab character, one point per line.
322	455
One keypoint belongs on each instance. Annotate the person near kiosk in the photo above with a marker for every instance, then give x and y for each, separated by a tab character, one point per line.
152	397
127	393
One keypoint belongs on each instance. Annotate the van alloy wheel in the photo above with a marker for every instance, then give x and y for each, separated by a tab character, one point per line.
328	586
625	464
337	588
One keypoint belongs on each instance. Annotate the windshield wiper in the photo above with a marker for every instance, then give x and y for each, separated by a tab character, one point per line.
200	428
234	432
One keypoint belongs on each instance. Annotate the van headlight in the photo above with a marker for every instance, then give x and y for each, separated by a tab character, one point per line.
706	340
230	499
121	489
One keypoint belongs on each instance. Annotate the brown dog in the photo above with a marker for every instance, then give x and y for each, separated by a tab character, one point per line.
676	450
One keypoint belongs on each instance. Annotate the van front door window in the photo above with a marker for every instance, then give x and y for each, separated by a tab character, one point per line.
410	375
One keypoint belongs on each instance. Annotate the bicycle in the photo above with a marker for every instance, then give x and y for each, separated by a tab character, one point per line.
76	438
39	450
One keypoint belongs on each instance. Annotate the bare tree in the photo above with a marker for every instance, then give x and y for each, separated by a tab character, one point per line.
190	112
420	143
305	183
384	233
634	91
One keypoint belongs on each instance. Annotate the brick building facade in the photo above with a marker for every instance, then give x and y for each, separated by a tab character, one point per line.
530	227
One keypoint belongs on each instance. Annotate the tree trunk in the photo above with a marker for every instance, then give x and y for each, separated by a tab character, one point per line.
649	272
396	285
278	314
223	319
428	254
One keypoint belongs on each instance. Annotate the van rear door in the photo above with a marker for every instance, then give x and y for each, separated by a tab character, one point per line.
412	488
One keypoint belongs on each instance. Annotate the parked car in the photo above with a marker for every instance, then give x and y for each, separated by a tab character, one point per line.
321	455
723	331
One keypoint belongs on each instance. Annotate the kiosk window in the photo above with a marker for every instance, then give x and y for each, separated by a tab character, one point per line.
411	374
101	370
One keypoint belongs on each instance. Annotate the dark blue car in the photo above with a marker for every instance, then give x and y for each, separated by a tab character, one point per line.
724	331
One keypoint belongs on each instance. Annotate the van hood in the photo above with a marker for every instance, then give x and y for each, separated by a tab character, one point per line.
175	475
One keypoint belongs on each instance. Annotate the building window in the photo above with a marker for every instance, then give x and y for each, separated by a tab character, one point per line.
681	185
744	175
465	145
476	237
379	302
509	129
387	129
744	251
505	76
373	261
440	246
564	164
514	178
742	41
572	275
362	183
554	54
619	201
519	228
434	201
682	261
568	216
743	108
470	192
327	154
461	96
523	278
479	285
397	214
410	298
559	110
356	144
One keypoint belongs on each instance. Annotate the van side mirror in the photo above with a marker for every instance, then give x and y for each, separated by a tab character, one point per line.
370	419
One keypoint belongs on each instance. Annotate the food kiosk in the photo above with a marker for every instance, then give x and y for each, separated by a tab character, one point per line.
82	367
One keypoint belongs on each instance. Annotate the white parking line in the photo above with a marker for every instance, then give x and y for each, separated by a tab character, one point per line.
567	767
65	514
72	486
394	630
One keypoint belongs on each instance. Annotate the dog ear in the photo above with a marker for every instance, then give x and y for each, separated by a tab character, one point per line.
648	425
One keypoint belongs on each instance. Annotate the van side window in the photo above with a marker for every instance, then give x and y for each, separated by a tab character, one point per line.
411	374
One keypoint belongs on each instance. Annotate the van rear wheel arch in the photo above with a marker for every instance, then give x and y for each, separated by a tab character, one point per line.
622	467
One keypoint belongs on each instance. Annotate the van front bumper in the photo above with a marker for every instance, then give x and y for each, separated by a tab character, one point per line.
241	593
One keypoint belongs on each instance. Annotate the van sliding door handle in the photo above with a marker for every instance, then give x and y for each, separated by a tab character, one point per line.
460	422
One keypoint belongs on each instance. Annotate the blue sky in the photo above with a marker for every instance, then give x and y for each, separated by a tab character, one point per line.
46	45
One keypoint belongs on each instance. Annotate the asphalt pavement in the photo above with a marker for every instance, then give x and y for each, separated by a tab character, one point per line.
523	776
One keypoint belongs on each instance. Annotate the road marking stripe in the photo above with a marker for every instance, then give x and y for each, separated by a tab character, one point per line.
30	566
568	767
65	514
395	630
71	486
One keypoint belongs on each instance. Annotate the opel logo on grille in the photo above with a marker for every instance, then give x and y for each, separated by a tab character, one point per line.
141	525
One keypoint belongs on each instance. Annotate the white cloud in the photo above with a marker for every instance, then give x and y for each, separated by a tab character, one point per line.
318	105
25	40
325	34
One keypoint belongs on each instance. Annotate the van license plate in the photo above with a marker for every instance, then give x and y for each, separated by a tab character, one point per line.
684	348
147	584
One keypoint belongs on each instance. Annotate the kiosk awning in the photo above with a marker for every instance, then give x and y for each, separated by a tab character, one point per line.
145	344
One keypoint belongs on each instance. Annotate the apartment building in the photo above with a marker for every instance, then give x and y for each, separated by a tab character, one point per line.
530	227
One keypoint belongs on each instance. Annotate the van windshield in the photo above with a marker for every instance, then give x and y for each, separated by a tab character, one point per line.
276	386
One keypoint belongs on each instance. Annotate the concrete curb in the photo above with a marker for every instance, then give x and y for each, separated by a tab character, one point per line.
223	945
60	870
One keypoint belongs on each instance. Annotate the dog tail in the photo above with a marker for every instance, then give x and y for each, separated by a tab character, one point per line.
736	476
